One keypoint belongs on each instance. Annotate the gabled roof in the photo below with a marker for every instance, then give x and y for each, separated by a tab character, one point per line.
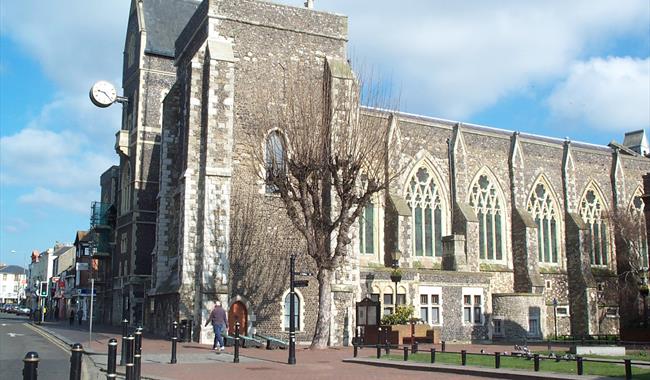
13	269
62	249
164	20
81	236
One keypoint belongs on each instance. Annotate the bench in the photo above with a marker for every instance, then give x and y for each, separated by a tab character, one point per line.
273	343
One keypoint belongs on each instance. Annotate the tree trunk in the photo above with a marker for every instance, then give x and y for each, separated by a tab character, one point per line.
321	335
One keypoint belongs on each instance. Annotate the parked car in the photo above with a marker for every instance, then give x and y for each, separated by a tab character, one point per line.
23	310
13	309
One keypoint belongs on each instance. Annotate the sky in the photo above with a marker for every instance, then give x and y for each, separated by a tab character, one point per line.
578	69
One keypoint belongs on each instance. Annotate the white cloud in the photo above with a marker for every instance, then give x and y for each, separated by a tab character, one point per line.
455	59
47	158
607	94
15	225
74	201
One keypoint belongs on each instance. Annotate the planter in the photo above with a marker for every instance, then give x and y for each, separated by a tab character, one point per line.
396	277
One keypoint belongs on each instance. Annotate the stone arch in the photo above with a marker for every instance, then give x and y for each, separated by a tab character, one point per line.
543	205
636	195
427	196
488	200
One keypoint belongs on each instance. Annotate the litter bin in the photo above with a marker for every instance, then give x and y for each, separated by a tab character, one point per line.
181	330
188	330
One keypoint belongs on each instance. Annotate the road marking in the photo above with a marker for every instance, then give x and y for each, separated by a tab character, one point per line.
45	335
13	335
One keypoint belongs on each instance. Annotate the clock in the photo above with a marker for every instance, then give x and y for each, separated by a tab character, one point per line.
103	94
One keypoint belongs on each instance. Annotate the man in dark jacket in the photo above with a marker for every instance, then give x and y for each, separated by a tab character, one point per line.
219	321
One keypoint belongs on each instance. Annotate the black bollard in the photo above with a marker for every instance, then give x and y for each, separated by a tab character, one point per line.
356	350
130	348
536	362
443	343
125	333
406	354
497	360
463	357
235	358
415	347
174	339
137	355
579	363
111	372
628	368
30	368
378	351
433	355
75	361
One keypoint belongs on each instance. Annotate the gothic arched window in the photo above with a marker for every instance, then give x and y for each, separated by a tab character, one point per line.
488	203
592	211
125	189
367	223
636	211
274	158
427	205
545	211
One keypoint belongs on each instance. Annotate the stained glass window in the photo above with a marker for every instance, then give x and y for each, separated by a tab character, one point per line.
592	212
488	204
424	198
544	210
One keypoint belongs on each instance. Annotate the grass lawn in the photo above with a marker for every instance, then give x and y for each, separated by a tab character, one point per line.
596	369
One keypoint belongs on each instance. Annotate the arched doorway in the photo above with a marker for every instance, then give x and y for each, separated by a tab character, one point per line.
237	313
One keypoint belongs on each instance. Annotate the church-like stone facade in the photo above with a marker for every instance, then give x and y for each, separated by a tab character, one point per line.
493	225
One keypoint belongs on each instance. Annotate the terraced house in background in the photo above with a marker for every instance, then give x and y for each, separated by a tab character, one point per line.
493	225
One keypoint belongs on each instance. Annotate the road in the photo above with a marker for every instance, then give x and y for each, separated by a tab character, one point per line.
17	338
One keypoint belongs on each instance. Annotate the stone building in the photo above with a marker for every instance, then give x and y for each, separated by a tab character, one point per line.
498	229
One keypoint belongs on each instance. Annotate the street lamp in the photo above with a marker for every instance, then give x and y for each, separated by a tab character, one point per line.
555	315
395	275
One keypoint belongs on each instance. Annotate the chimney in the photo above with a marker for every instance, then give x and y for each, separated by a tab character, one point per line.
309	4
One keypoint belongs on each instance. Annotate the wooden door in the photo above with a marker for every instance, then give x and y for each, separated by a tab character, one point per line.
237	313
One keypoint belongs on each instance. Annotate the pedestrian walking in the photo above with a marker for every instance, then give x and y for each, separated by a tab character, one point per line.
71	318
80	315
56	312
219	321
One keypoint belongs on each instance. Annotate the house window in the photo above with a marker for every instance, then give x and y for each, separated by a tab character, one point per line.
611	312
548	284
367	230
562	311
498	326
487	201
401	299
592	211
544	210
472	306
4	277
424	198
430	304
274	160
287	311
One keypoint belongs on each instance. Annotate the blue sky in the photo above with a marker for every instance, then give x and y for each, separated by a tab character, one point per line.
579	69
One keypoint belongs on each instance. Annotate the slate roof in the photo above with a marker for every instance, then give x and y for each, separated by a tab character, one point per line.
164	20
636	140
13	269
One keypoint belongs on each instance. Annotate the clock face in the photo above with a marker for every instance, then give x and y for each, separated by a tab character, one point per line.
103	94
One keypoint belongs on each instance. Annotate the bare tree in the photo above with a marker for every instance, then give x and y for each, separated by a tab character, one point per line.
325	161
632	259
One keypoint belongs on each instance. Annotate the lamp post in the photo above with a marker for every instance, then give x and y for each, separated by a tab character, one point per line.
395	276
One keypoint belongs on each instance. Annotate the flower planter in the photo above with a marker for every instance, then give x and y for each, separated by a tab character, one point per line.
396	277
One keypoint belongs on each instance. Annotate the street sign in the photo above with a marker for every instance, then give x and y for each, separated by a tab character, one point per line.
82	266
304	274
300	283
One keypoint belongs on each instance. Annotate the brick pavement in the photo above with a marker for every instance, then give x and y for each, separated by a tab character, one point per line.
197	361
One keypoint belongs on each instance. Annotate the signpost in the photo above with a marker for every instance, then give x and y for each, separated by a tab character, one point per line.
90	324
292	305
